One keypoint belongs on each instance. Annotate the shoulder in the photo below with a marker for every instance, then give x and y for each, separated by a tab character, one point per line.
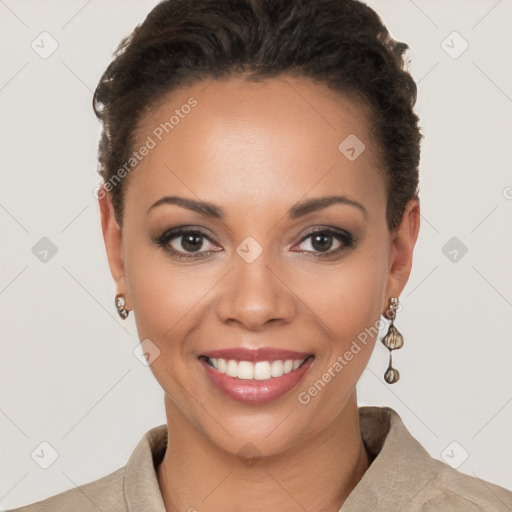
459	491
131	487
404	476
105	494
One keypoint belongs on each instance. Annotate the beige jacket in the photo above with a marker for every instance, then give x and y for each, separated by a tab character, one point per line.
403	477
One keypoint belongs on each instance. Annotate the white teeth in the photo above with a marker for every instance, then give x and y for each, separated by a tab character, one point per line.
276	368
288	366
221	365
231	368
261	370
245	370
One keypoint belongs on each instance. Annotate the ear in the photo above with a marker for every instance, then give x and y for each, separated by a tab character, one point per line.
404	238
112	236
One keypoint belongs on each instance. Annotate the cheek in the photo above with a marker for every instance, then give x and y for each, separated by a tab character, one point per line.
159	295
348	301
348	297
169	299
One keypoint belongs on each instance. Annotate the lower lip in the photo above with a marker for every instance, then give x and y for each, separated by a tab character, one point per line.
256	391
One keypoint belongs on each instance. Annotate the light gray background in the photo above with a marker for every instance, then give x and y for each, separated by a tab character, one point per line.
68	373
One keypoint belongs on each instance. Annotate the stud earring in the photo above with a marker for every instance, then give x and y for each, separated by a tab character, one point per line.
393	340
120	302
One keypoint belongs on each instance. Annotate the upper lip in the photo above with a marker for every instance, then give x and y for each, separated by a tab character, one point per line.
255	354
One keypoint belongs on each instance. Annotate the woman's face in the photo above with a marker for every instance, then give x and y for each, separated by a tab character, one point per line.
252	274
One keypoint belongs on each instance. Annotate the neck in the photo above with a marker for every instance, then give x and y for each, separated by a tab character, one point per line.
318	475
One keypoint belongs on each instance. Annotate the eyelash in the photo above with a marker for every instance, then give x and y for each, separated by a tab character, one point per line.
341	235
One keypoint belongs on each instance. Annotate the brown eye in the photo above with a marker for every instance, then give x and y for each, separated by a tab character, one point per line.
190	242
186	243
322	241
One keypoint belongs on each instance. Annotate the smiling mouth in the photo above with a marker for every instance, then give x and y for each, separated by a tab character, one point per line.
259	370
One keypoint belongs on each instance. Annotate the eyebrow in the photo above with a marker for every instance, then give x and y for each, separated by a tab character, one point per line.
300	209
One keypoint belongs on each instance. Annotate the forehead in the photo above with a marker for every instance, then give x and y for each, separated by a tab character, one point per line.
257	140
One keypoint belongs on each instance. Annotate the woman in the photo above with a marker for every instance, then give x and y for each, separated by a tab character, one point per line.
260	210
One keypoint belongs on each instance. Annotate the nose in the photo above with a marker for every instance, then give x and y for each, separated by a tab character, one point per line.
254	295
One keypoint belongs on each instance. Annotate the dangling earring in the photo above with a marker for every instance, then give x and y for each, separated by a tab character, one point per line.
392	340
120	302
